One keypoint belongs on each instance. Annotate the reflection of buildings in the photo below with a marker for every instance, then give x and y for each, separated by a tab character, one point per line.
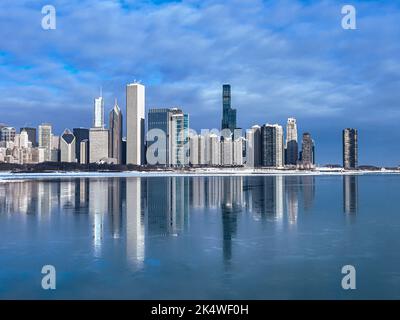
136	207
98	207
350	194
115	206
167	205
231	205
308	190
292	197
134	225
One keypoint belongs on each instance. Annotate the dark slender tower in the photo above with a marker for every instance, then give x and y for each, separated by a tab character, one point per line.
350	148
228	114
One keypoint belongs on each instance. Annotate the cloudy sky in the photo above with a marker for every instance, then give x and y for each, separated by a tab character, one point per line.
287	58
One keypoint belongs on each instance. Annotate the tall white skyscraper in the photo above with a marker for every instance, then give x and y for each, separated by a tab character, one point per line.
67	146
135	104
291	144
98	121
45	137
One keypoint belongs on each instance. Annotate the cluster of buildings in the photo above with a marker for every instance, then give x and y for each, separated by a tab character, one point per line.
168	141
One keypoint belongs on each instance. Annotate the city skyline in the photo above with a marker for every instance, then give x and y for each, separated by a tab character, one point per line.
348	79
231	146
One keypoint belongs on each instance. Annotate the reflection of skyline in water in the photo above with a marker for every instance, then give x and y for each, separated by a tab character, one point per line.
133	208
350	194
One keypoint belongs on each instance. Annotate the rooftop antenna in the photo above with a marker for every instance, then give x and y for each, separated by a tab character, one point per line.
101	91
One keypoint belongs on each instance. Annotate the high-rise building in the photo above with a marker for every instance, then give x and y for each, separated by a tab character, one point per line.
135	105
194	149
179	137
307	151
215	150
158	119
8	134
24	139
80	134
350	194
115	127
67	146
202	150
98	145
291	144
238	151
98	119
175	126
228	114
272	154
45	139
350	148
253	147
31	135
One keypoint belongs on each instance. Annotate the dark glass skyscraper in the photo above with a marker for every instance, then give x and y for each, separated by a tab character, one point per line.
228	114
350	148
307	153
80	135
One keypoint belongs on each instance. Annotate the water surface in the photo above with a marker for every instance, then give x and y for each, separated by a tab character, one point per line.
272	237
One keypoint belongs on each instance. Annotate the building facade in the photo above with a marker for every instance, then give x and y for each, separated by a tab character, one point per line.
80	134
135	126
291	144
307	151
228	114
272	154
32	136
45	140
98	145
115	127
67	146
350	148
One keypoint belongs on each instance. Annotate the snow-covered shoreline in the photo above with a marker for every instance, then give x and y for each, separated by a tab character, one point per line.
7	176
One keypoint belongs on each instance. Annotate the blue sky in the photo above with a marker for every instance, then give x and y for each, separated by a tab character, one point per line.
286	58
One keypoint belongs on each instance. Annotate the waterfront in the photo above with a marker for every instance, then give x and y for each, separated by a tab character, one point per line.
181	237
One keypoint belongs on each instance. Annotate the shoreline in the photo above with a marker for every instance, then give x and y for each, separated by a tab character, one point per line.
9	176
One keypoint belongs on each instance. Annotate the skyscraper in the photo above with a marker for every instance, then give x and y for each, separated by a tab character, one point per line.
226	152
350	148
24	139
253	146
67	146
179	137
272	146
135	105
98	145
291	142
80	134
307	151
228	114
158	119
115	127
45	137
194	149
98	120
31	135
175	126
8	134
